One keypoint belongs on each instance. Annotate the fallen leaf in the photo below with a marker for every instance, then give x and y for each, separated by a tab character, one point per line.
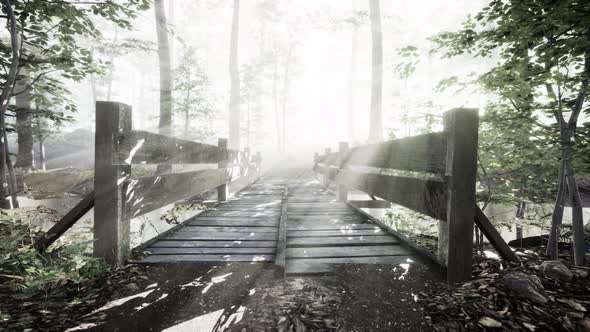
489	322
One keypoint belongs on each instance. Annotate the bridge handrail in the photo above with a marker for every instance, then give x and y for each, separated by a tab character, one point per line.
118	197
451	155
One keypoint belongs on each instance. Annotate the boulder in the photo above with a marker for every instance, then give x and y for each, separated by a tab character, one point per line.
526	286
556	269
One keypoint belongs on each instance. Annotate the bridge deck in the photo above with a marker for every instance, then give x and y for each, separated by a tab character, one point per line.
320	230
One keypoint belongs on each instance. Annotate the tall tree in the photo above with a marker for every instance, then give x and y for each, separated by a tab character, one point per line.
165	123
544	47
234	76
23	112
375	121
352	72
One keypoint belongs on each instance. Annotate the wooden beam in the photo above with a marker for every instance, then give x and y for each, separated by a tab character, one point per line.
146	194
280	259
422	153
223	188
66	222
111	229
493	236
421	195
370	204
143	147
455	245
342	155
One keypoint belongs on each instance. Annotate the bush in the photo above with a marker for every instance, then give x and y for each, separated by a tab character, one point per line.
27	271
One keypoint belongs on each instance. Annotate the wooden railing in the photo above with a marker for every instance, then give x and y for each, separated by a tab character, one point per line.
120	197
436	176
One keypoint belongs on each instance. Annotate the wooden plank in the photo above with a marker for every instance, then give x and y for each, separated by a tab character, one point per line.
351	251
209	251
234	222
422	153
341	232
326	265
142	147
493	236
426	196
293	242
329	226
342	218
214	244
237	218
146	194
111	227
282	241
205	258
256	214
370	204
236	229
456	234
248	208
213	236
66	222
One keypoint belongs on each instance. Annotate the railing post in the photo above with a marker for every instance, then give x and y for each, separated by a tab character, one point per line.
222	190
455	243
111	229
258	163
342	154
326	175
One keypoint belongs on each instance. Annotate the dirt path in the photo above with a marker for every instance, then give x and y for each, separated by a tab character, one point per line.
250	297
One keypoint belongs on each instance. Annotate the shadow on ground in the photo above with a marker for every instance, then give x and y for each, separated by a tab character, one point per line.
251	297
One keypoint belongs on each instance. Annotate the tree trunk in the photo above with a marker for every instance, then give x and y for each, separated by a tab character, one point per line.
352	77
521	207
234	75
23	124
285	98
275	98
41	141
5	96
165	123
375	125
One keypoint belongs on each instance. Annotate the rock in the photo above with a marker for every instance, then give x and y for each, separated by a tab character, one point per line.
524	285
556	269
580	273
585	323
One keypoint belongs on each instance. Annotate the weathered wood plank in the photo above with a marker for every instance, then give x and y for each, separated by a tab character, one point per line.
206	258
294	242
210	251
233	223
214	244
493	236
341	232
256	214
370	204
66	222
425	196
236	229
353	251
295	227
282	241
142	147
319	218
213	236
143	195
456	232
422	153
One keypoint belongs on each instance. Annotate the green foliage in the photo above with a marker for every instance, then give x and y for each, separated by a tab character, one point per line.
24	269
193	98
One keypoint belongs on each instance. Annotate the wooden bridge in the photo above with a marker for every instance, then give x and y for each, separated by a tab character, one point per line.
287	217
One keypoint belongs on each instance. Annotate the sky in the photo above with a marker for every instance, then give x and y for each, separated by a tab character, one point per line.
317	102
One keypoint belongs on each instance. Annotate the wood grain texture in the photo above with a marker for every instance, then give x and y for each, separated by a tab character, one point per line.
143	147
424	196
210	251
352	251
143	195
422	153
214	244
295	242
206	258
